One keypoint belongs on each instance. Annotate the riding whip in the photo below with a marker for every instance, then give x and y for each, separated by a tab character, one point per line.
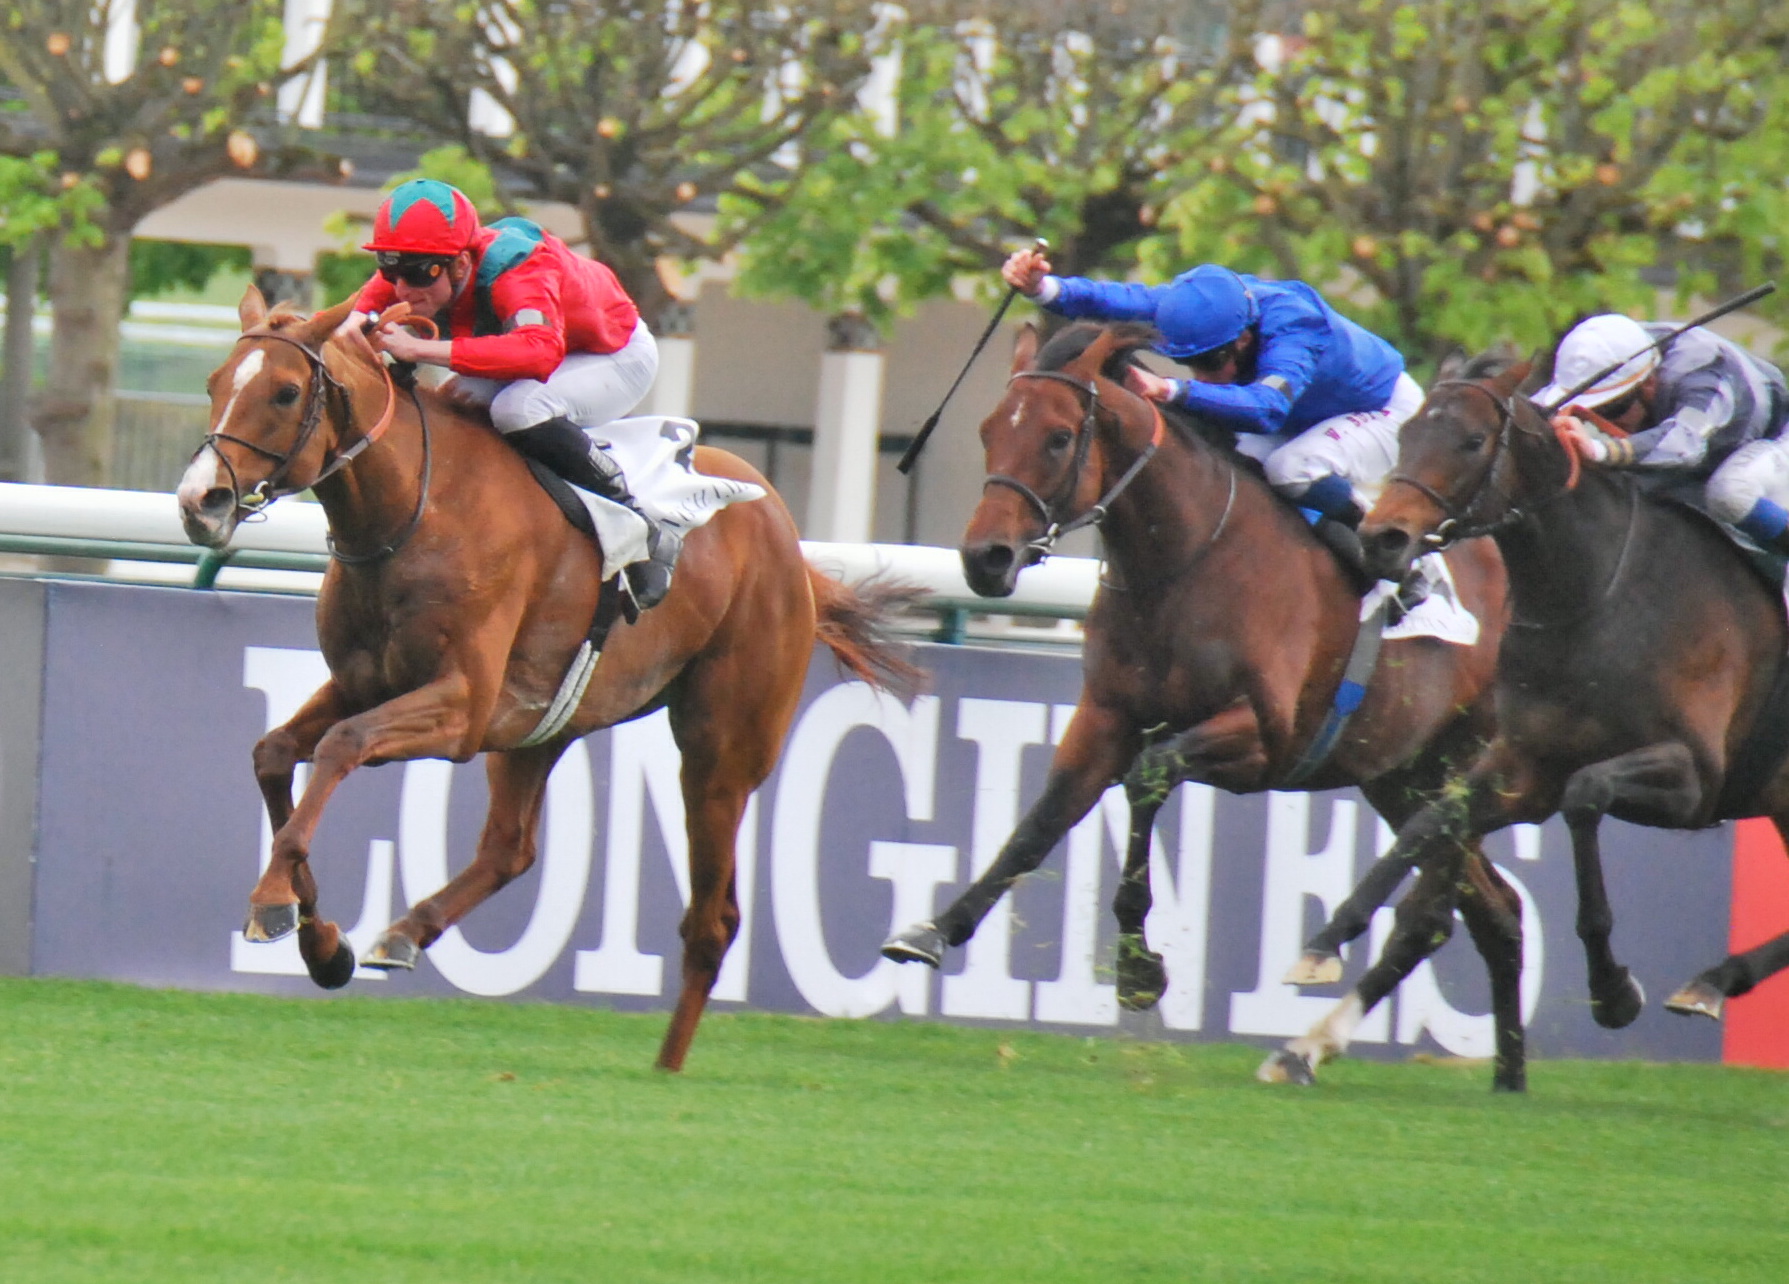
1040	246
1666	340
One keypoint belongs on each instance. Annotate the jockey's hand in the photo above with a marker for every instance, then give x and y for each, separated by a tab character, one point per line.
392	337
1146	383
1025	271
1592	446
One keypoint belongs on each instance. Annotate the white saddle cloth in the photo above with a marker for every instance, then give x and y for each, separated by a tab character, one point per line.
1440	615
656	454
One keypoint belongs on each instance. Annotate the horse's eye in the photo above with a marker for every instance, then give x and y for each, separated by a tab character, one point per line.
1473	442
1058	441
286	396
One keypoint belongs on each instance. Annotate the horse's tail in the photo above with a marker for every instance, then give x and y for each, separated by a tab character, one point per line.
854	624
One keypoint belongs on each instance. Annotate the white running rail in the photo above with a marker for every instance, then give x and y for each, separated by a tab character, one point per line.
141	528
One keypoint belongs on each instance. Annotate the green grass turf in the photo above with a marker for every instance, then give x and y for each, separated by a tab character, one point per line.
148	1135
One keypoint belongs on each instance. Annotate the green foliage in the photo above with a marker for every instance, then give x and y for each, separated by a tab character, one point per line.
1474	170
156	267
34	198
1078	135
454	164
630	113
341	274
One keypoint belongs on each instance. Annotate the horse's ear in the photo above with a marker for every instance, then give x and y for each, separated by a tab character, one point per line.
324	324
1452	365
1095	355
252	309
1540	372
1025	347
1512	378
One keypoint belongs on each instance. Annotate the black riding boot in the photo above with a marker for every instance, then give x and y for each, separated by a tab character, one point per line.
567	449
1340	534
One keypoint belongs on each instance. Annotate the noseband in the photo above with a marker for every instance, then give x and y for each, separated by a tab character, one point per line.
1054	527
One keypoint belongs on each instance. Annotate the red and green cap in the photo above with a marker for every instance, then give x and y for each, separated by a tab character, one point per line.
424	216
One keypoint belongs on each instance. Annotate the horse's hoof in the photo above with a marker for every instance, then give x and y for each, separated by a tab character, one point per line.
1698	998
270	922
1142	978
338	970
1287	1066
921	943
1315	969
1510	1083
1617	1011
393	952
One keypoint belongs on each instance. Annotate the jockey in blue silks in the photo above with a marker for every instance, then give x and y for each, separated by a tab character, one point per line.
1315	397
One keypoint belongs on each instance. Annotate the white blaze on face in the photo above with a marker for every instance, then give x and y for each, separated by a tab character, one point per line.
246	370
203	474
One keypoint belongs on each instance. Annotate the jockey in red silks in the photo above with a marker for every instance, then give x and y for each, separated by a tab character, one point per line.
545	337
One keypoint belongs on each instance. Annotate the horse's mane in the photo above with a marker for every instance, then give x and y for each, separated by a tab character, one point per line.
1067	344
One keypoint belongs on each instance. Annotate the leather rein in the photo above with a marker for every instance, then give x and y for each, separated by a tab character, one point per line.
324	387
1054	527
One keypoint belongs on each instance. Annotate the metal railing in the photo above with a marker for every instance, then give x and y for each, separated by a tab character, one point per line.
130	532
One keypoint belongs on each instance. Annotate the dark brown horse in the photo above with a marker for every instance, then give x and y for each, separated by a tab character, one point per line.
1636	680
456	600
1223	620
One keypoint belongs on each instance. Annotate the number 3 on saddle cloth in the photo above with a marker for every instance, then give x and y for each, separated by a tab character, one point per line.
657	458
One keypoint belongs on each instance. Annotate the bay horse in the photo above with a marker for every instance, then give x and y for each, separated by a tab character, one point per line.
1642	676
1222	621
454	603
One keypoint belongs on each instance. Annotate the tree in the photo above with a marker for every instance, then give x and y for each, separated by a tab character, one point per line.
33	201
193	104
1074	121
630	111
1484	169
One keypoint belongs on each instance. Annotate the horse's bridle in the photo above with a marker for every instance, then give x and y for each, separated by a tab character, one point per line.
323	386
1054	527
1454	525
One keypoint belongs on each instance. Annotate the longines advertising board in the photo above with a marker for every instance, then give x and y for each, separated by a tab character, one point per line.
150	833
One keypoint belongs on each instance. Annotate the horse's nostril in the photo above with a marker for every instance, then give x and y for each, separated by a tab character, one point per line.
217	498
996	559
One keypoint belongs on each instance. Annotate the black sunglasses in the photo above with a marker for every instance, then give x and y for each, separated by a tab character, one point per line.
420	271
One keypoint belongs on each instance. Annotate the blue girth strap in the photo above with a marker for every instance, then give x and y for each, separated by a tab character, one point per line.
1348	697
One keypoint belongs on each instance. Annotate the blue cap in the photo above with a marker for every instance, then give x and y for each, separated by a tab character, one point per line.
1203	309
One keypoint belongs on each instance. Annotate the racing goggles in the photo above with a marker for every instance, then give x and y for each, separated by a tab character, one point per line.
1213	361
418	270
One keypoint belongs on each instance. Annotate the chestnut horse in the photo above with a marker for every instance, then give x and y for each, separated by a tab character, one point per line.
455	601
1221	620
1639	677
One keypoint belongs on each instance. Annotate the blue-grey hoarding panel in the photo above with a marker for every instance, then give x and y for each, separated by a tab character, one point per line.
21	693
152	835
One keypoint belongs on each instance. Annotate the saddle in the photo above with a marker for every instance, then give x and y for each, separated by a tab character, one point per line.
611	603
563	495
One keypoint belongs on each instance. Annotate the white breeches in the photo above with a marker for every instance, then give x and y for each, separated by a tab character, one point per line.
588	388
1757	470
1360	448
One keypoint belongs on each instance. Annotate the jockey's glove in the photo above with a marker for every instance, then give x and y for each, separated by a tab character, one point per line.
1600	448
